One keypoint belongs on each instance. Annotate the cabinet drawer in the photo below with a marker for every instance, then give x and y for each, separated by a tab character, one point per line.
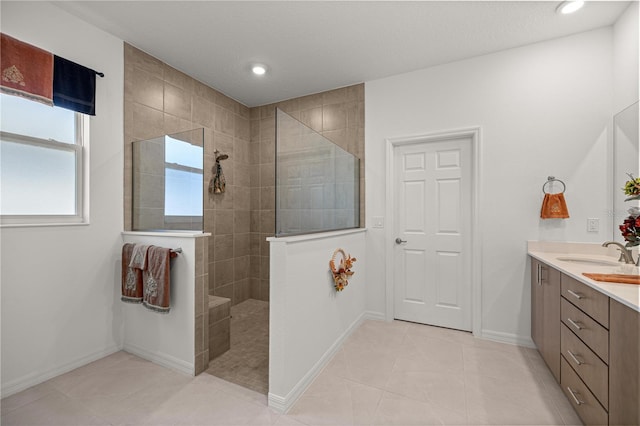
582	400
589	331
592	302
593	372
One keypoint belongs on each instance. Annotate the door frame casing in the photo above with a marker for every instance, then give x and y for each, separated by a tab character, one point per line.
474	133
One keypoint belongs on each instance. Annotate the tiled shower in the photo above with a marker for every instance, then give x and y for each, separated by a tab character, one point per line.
161	100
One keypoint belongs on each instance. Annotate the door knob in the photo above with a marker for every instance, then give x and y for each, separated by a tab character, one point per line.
400	240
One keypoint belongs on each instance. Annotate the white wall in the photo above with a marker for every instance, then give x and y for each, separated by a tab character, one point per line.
60	283
543	109
625	58
166	339
308	318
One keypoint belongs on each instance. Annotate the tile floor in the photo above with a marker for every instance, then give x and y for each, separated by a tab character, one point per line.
247	362
385	374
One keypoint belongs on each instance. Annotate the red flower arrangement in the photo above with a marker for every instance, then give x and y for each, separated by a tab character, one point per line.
630	230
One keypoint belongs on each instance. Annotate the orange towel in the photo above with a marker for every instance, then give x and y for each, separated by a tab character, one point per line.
157	280
131	277
614	278
27	71
554	207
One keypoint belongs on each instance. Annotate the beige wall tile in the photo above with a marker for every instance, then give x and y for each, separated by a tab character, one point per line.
336	96
339	137
310	101
334	117
254	219
223	273
267	111
241	221
143	61
242	128
241	268
227	103
267	175
219	312
254	129
224	120
241	199
267	222
223	222
147	89
267	152
177	101
255	288
244	111
224	144
147	122
178	79
199	336
240	246
268	198
242	290
267	129
312	118
225	291
254	266
242	175
223	246
204	91
203	113
174	124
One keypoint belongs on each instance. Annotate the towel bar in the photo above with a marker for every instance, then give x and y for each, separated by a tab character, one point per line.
553	179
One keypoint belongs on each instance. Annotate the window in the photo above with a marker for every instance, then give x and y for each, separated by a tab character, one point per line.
41	163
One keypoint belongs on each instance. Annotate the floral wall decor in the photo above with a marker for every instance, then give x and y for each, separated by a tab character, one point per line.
342	272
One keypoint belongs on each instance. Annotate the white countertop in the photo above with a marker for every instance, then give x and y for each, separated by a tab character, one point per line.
549	252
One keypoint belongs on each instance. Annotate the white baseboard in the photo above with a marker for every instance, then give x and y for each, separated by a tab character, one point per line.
161	359
373	315
283	403
37	377
513	339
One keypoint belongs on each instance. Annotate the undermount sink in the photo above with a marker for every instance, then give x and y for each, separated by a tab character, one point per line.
588	261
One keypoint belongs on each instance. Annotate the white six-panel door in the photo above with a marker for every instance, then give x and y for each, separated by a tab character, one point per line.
432	267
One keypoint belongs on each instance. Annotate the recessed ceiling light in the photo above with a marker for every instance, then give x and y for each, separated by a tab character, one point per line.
567	7
258	69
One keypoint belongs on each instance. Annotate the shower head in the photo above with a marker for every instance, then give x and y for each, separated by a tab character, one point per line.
220	157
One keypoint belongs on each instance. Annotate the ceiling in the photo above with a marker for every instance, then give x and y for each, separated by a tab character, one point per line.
313	46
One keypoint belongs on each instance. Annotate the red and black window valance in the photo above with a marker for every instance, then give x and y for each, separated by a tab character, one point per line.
41	76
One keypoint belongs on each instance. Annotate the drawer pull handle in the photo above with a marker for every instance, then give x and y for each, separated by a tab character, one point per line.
573	323
572	355
575	398
576	295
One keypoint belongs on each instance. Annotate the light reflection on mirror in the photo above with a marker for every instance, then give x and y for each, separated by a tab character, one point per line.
626	159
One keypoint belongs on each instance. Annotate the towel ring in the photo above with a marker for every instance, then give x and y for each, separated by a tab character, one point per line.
553	179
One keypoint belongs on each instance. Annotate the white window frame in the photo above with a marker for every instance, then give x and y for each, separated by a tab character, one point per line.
81	149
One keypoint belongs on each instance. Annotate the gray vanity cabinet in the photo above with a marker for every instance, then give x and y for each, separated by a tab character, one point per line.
545	313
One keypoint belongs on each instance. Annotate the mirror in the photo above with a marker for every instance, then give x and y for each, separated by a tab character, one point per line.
626	159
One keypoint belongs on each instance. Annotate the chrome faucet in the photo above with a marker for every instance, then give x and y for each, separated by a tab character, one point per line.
625	253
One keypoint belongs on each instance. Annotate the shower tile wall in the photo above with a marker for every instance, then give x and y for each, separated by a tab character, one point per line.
161	100
339	116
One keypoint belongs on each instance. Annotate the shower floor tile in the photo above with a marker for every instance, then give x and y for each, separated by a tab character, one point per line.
247	362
